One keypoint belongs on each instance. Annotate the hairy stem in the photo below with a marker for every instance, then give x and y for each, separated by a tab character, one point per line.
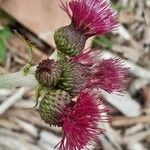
19	79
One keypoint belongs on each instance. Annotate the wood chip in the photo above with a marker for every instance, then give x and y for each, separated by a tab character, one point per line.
124	103
128	121
50	138
134	129
11	100
29	128
136	146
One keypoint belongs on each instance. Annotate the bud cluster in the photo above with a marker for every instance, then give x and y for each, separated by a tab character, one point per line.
77	72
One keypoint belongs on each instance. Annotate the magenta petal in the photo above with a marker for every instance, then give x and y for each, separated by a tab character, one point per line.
87	57
109	75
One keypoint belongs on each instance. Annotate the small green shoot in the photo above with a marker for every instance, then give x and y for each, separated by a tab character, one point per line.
29	45
28	66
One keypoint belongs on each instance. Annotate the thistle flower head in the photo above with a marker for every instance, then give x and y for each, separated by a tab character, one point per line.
80	122
88	18
107	74
74	76
91	17
79	119
48	72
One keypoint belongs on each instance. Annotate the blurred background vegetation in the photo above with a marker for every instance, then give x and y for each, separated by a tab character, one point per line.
36	20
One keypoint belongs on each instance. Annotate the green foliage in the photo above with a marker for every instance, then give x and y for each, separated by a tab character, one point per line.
5	33
2	50
102	42
118	6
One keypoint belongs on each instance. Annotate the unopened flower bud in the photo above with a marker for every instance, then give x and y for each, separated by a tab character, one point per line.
48	72
73	77
69	40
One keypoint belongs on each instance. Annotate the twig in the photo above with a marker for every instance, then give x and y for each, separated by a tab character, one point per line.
106	144
5	123
134	129
46	135
124	103
136	146
11	140
136	137
5	92
113	136
31	129
126	121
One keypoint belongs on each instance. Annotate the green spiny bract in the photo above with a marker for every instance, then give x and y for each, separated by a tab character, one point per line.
69	40
52	105
73	77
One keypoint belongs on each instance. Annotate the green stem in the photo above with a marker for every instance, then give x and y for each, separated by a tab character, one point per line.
28	66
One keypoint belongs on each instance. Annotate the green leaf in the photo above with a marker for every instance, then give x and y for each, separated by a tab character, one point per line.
118	6
2	51
5	33
102	42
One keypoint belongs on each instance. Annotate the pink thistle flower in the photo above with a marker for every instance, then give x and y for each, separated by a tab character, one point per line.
91	17
80	122
107	74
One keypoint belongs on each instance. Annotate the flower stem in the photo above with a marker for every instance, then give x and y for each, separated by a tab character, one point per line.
18	79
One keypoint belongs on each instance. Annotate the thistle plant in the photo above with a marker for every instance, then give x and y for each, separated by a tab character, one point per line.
70	80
